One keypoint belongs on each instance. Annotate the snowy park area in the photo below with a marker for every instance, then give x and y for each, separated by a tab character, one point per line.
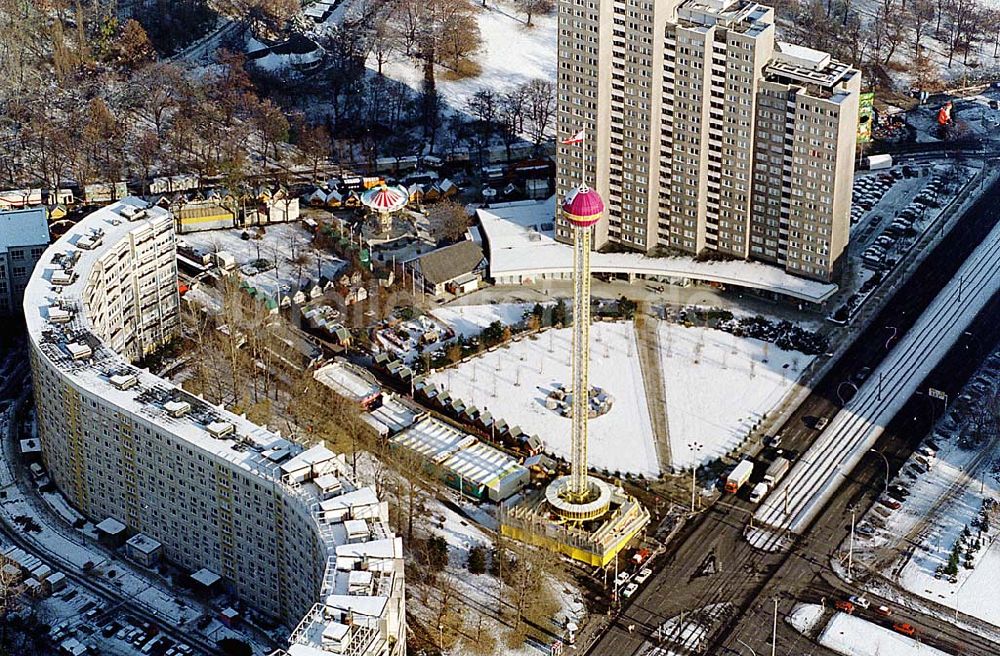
502	67
282	259
717	386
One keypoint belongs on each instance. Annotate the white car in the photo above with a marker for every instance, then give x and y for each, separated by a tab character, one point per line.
621	579
860	601
630	590
643	575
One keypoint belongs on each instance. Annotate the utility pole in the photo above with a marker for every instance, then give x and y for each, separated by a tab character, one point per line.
774	629
850	549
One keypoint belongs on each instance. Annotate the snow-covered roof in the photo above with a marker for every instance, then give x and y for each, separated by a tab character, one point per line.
225	437
521	241
347	381
28	227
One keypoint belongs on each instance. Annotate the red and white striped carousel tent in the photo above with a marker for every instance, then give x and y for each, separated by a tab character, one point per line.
385	198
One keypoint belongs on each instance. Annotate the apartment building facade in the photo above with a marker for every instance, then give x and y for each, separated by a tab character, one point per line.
284	528
670	96
24	236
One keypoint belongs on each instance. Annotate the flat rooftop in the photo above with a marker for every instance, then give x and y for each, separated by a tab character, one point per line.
521	242
28	227
347	381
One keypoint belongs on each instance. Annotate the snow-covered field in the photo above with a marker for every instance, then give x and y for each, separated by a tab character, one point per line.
717	386
470	320
282	243
513	383
853	636
512	53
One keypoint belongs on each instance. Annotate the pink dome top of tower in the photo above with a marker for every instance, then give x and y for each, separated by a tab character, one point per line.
583	206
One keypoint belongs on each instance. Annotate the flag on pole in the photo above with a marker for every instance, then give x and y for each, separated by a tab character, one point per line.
576	138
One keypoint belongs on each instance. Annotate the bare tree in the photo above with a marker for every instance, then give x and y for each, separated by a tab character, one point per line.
448	220
540	108
532	7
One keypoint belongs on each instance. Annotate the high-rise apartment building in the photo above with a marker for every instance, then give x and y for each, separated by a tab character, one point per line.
24	236
284	528
704	133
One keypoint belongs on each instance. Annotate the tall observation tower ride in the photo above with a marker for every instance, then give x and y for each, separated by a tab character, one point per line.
582	517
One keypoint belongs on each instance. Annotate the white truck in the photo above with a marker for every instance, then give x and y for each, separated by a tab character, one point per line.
876	162
739	476
776	470
758	492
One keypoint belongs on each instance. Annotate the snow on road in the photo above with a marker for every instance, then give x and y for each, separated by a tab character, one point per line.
853	636
852	432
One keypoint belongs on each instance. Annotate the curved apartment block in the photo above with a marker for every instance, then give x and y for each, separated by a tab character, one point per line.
285	527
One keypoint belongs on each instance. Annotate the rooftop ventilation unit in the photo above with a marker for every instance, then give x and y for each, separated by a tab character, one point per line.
220	429
177	408
61	277
59	315
79	351
124	381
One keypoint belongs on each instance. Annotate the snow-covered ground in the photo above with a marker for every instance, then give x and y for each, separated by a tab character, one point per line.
512	53
717	387
470	320
514	381
853	636
288	245
941	504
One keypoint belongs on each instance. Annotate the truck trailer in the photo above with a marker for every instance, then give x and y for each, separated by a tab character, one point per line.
776	470
739	476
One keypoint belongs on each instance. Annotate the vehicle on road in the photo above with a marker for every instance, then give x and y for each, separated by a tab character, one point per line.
630	590
883	611
844	606
739	476
776	470
905	628
860	601
758	492
643	575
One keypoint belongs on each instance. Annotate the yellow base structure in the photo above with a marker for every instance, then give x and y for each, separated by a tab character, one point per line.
533	521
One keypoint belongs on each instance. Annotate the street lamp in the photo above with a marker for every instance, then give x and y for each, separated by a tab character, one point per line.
695	448
886	467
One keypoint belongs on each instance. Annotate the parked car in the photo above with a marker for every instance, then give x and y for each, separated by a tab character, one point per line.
883	611
822	422
630	590
866	530
621	579
890	503
643	575
844	606
860	601
905	628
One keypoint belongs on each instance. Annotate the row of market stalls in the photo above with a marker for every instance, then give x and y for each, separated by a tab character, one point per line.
457	457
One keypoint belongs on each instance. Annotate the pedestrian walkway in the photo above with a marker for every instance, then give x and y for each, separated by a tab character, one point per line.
647	338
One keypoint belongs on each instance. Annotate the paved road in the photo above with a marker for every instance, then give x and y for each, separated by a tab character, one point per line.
647	337
745	571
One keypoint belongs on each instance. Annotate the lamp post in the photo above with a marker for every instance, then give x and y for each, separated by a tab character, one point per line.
696	448
886	467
